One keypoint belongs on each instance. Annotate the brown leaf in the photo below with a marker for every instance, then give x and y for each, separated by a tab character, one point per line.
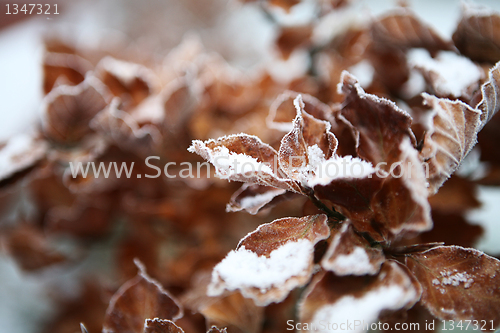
457	195
228	310
477	34
378	125
57	65
490	90
157	325
139	299
215	329
253	198
131	82
244	158
20	153
361	299
298	148
271	261
403	29
459	283
451	136
30	248
68	110
293	37
351	254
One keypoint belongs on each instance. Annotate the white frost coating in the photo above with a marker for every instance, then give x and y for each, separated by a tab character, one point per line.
356	262
127	72
341	167
260	200
365	309
245	269
18	153
228	164
364	72
455	73
285	71
454	278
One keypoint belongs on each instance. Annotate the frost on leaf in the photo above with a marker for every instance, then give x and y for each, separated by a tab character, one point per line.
403	29
253	198
458	283
230	309
334	299
351	254
244	158
490	104
271	261
69	109
452	133
215	329
139	299
157	325
478	34
306	145
378	125
19	153
121	128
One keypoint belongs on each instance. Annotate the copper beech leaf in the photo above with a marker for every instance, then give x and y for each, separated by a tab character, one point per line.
477	35
452	134
357	299
230	309
253	198
244	158
139	299
490	103
271	261
458	283
403	29
309	141
68	110
157	325
351	254
19	153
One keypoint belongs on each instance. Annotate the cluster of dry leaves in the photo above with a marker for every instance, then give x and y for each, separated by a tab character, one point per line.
361	247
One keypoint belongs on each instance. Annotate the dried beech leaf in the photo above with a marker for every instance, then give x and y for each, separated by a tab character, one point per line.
244	158
271	261
31	249
131	82
252	198
477	35
490	90
157	325
300	147
378	124
293	37
458	283
70	66
178	102
230	310
68	110
451	136
124	131
402	29
139	299
333	299
351	254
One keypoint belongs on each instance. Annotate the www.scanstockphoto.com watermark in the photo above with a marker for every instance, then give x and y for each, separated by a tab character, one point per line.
227	166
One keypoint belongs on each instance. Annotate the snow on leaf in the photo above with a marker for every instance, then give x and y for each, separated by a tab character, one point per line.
451	135
230	309
252	198
490	90
244	158
351	254
271	261
477	35
458	283
306	145
442	74
334	299
403	29
377	124
67	110
139	299
215	329
157	325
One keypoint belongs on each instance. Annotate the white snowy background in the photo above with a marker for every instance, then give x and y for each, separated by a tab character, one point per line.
239	33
